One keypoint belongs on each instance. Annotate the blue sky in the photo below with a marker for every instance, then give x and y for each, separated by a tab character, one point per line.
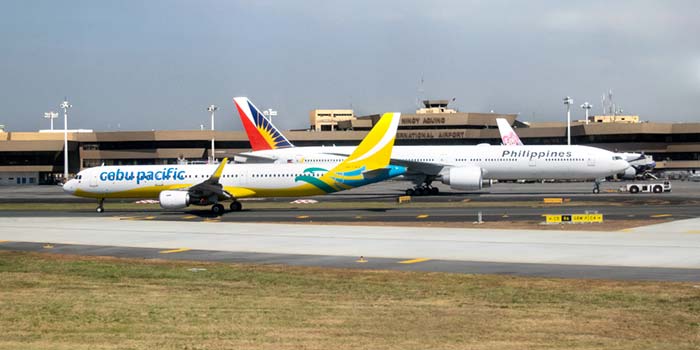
141	65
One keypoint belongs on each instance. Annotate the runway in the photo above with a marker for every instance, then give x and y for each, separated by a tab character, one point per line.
419	213
389	190
661	252
365	223
372	263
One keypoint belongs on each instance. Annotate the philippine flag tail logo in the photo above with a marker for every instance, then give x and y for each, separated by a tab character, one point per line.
261	133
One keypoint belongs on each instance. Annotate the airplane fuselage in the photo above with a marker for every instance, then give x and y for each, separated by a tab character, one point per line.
497	162
240	180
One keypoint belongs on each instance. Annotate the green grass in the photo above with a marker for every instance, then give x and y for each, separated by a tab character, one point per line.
60	302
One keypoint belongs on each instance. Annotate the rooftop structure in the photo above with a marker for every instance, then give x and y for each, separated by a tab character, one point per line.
328	119
435	107
39	155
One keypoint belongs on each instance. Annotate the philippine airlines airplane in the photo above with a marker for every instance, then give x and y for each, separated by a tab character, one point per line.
639	163
178	186
460	167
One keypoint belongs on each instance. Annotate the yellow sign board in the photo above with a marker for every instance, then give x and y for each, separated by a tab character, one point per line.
404	199
573	218
553	200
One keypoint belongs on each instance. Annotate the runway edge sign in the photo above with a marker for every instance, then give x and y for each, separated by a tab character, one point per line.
573	218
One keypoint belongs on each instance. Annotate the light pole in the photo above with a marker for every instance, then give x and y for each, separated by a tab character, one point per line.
211	109
269	113
65	105
586	106
51	116
568	101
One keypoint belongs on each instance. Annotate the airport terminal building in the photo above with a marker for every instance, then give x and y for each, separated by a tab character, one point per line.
37	157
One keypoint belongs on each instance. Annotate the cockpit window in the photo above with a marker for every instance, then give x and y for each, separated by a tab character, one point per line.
79	177
617	158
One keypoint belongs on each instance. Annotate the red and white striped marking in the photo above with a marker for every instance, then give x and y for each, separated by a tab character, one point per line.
304	201
147	201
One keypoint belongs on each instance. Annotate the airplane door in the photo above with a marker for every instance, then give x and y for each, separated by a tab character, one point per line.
93	180
243	178
533	162
591	161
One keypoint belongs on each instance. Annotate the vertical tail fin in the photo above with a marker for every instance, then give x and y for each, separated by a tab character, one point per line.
374	151
261	133
508	135
368	163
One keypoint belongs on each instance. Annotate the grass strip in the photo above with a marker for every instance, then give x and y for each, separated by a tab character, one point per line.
67	302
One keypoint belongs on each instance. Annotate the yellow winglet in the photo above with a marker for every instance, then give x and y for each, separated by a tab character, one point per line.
219	170
374	151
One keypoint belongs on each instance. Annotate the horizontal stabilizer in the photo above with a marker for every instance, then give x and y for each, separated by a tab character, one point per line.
376	174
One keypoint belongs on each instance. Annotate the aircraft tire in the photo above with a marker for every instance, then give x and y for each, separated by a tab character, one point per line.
634	189
100	209
410	192
236	206
217	209
596	190
434	191
658	189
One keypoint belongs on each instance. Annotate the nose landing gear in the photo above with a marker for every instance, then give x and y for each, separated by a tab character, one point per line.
596	187
100	205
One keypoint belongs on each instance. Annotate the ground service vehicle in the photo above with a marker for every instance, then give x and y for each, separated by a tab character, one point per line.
655	187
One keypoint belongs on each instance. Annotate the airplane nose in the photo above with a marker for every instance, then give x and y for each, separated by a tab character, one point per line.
69	186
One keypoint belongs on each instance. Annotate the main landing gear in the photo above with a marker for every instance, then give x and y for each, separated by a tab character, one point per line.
236	206
423	190
100	207
218	208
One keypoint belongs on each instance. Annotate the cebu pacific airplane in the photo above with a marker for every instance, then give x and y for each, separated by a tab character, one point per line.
639	163
178	186
460	167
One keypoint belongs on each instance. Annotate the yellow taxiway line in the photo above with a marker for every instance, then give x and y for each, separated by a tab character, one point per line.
413	261
179	250
422	216
660	215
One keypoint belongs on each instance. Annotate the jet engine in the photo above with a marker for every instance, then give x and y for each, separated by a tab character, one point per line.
174	199
463	178
630	173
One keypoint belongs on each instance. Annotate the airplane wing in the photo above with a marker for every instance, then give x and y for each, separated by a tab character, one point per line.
426	168
253	158
211	186
412	167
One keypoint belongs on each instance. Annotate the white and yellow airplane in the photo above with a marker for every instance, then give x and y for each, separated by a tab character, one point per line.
178	186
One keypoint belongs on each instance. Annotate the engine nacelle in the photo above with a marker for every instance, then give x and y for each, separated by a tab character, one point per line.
630	173
174	199
463	178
